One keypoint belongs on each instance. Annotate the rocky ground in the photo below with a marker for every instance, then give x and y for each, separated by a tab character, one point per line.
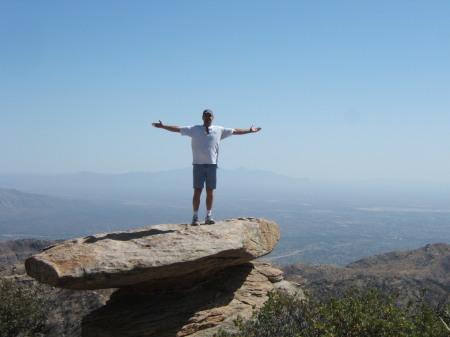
172	280
406	272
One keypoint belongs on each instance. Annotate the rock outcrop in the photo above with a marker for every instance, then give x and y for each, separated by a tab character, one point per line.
161	255
174	280
198	311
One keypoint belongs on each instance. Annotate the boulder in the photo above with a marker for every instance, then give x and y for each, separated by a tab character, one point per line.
198	311
161	256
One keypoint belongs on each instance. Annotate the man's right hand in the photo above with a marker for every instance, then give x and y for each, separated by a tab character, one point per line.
160	125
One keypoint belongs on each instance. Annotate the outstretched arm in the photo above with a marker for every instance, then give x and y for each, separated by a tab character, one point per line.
160	125
245	131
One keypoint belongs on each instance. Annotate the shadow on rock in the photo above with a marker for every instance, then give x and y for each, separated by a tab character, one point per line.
133	311
125	236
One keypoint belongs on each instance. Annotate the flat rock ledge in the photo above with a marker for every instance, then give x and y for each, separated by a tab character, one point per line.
160	256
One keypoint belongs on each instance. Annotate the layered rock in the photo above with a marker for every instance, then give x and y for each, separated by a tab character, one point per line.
198	311
161	256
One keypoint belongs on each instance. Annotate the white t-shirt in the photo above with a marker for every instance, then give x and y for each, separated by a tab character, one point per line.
205	146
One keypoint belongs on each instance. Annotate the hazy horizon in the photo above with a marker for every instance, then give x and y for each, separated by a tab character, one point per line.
319	222
186	168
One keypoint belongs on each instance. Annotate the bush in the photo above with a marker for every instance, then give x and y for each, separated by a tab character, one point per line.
21	312
356	313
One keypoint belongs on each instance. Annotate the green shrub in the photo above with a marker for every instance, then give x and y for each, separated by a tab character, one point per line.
21	312
428	321
354	314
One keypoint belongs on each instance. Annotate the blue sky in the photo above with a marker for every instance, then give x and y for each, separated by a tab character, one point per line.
342	89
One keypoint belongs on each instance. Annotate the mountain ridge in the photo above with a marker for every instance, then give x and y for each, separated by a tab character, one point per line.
406	272
89	184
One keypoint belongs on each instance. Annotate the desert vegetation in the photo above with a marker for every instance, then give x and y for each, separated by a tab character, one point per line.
355	313
21	311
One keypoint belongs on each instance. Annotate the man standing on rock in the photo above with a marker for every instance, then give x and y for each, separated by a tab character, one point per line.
205	151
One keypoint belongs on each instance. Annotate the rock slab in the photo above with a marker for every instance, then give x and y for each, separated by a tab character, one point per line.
161	256
198	311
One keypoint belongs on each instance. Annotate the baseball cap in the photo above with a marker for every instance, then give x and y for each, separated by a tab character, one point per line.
208	111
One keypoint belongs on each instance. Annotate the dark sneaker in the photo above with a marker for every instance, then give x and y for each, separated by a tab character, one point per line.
209	220
195	221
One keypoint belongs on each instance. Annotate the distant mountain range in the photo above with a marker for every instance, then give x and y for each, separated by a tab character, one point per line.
139	185
236	182
35	215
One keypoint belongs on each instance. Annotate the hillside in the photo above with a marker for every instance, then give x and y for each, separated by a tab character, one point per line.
16	251
11	199
65	307
406	272
35	215
30	214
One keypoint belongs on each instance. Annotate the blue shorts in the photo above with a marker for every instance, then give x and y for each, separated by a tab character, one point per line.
205	173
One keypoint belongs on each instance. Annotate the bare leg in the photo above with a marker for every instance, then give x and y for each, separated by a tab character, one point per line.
209	198
196	199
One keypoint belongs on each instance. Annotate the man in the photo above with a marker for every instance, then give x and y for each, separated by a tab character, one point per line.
205	151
